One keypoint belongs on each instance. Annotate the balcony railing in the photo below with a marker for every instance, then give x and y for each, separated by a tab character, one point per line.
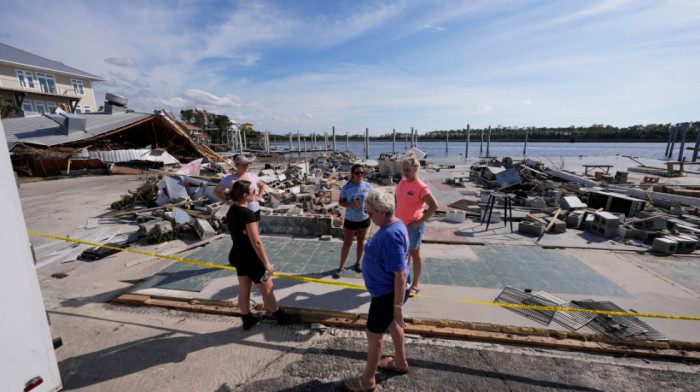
11	83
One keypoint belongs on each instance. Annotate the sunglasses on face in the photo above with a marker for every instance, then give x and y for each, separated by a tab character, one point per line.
359	173
244	164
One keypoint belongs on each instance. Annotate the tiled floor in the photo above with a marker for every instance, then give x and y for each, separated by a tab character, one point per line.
497	266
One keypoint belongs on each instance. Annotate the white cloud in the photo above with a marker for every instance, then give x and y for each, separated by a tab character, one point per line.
121	62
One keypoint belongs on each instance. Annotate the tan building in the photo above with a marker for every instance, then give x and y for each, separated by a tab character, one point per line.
37	84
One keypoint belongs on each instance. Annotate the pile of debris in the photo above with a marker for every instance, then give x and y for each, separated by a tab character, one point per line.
554	200
169	205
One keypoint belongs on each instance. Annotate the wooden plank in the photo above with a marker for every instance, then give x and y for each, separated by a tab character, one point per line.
551	223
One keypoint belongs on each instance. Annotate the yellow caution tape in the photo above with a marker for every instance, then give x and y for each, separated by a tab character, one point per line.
360	287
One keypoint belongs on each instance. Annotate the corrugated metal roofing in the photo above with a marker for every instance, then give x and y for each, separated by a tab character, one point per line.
43	131
18	56
117	156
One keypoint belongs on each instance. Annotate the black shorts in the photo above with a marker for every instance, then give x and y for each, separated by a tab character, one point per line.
251	267
381	312
350	225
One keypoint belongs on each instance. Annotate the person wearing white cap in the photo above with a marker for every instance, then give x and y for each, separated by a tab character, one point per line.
242	164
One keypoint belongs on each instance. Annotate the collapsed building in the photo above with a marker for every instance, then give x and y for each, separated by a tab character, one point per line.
58	143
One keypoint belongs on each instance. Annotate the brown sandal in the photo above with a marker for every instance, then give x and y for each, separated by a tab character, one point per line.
388	363
349	385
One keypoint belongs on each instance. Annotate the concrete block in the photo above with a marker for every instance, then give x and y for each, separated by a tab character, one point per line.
686	244
531	228
559	226
587	220
665	245
294	211
299	225
571	202
603	230
627	232
575	219
164	227
214	207
283	208
308	188
204	229
147	227
455	216
606	219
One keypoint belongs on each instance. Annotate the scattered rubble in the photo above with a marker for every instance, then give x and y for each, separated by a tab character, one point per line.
664	220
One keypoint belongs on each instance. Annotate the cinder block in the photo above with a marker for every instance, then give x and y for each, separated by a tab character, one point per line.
665	245
602	230
455	216
627	232
575	219
558	226
147	227
686	244
532	228
571	202
606	219
214	207
164	227
204	229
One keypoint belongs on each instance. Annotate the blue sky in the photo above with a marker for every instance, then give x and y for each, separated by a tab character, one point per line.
310	65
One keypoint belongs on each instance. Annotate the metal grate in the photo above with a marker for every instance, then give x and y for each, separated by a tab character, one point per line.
510	295
570	320
622	327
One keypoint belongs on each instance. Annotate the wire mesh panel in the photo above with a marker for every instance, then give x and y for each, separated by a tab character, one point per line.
570	320
510	295
622	327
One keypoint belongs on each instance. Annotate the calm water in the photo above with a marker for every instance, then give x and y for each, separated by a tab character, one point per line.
506	149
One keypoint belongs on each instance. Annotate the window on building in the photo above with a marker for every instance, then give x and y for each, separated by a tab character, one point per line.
40	106
51	106
27	105
78	109
78	86
87	109
26	79
47	82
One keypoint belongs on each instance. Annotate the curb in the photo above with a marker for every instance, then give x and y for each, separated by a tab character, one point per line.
541	337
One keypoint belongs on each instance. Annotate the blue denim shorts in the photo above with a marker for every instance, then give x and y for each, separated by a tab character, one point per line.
415	236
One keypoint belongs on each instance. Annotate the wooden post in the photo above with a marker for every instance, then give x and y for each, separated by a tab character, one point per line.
685	133
447	141
393	142
466	151
697	144
488	144
347	141
525	147
481	144
306	164
366	143
334	139
673	139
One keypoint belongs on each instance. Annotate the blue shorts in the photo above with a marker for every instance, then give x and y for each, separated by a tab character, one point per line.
415	236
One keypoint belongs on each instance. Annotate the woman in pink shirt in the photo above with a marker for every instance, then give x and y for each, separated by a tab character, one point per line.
412	195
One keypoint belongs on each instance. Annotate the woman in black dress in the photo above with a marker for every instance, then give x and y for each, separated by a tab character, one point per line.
249	257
